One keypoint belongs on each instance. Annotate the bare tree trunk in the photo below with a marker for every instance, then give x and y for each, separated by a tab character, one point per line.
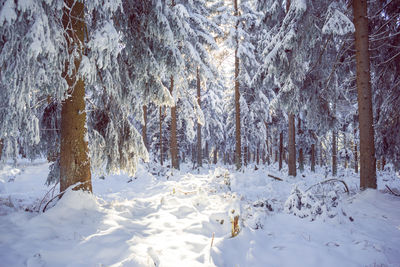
355	145
245	154
280	150
276	149
292	146
366	122
1	148
345	147
207	154
320	154
383	163
238	150
313	158
258	156
215	154
301	156
199	156
174	143
334	153
144	129
161	140
74	151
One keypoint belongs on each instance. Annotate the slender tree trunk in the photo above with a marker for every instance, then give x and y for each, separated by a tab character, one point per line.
144	129
1	148
292	146
276	149
280	150
238	150
301	156
258	156
161	140
345	148
74	151
199	156
207	154
366	122
383	163
355	145
174	143
215	155
334	153
313	158
245	154
320	154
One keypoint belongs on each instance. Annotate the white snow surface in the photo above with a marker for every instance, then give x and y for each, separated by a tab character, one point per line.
183	219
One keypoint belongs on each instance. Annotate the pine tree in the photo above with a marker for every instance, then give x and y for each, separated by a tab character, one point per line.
367	147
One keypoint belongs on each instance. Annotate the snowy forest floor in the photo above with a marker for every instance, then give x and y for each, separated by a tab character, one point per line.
184	219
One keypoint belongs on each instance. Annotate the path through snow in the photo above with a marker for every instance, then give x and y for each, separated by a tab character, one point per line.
154	221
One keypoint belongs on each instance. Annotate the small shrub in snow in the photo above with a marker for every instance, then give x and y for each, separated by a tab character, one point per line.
306	204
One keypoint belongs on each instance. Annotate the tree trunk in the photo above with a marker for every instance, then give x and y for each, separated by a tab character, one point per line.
174	143
301	156
1	148
199	156
245	155
238	150
280	150
383	163
355	145
74	152
320	154
334	153
161	140
215	155
144	129
207	154
258	156
345	149
313	158
292	146
366	122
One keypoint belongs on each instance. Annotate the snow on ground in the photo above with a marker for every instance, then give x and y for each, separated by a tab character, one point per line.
184	219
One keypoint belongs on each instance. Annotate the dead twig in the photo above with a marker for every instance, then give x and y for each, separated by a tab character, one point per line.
391	191
276	178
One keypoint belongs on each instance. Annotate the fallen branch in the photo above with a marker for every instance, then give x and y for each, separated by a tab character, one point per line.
391	191
276	178
331	180
53	188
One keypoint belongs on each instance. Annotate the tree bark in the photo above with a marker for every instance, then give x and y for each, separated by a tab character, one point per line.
161	140
258	156
355	145
334	153
199	156
280	150
144	129
301	156
292	146
367	145
238	150
345	148
215	155
1	148
320	154
313	158
174	143
206	153
245	154
74	151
